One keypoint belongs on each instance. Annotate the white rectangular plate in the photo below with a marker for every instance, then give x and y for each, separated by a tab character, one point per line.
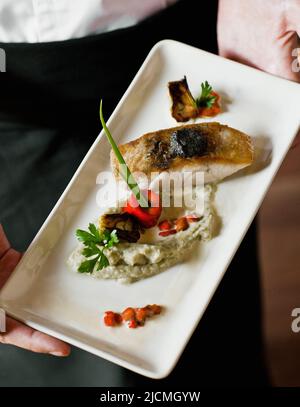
43	293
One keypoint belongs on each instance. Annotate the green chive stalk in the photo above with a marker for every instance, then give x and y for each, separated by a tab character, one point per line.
124	170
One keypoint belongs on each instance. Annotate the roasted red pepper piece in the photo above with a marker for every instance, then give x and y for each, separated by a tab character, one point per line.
141	315
132	323
192	218
156	309
112	318
134	317
181	224
213	110
148	217
165	225
128	314
168	232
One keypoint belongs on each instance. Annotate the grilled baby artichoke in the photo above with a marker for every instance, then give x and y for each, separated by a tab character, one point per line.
127	226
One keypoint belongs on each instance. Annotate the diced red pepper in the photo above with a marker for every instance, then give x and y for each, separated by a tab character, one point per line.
140	314
213	110
148	217
181	224
192	218
167	232
112	318
132	324
156	309
133	316
118	318
165	225
128	314
149	311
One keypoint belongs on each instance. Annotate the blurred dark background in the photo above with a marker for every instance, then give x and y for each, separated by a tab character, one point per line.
280	259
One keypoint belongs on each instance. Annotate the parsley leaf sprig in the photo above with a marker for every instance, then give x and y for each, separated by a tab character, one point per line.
206	99
95	242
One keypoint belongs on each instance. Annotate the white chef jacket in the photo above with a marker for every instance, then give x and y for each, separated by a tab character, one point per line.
56	20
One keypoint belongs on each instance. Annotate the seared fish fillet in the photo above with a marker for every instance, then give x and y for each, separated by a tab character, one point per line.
213	148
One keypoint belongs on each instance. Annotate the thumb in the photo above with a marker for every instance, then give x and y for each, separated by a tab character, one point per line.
261	34
286	62
287	59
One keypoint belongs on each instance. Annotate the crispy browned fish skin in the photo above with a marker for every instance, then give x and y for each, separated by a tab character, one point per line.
184	105
219	151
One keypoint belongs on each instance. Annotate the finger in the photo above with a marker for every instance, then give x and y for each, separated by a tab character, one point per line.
25	337
268	42
292	10
4	243
7	264
285	61
281	63
9	261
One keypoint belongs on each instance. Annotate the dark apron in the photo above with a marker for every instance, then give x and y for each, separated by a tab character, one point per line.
49	100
